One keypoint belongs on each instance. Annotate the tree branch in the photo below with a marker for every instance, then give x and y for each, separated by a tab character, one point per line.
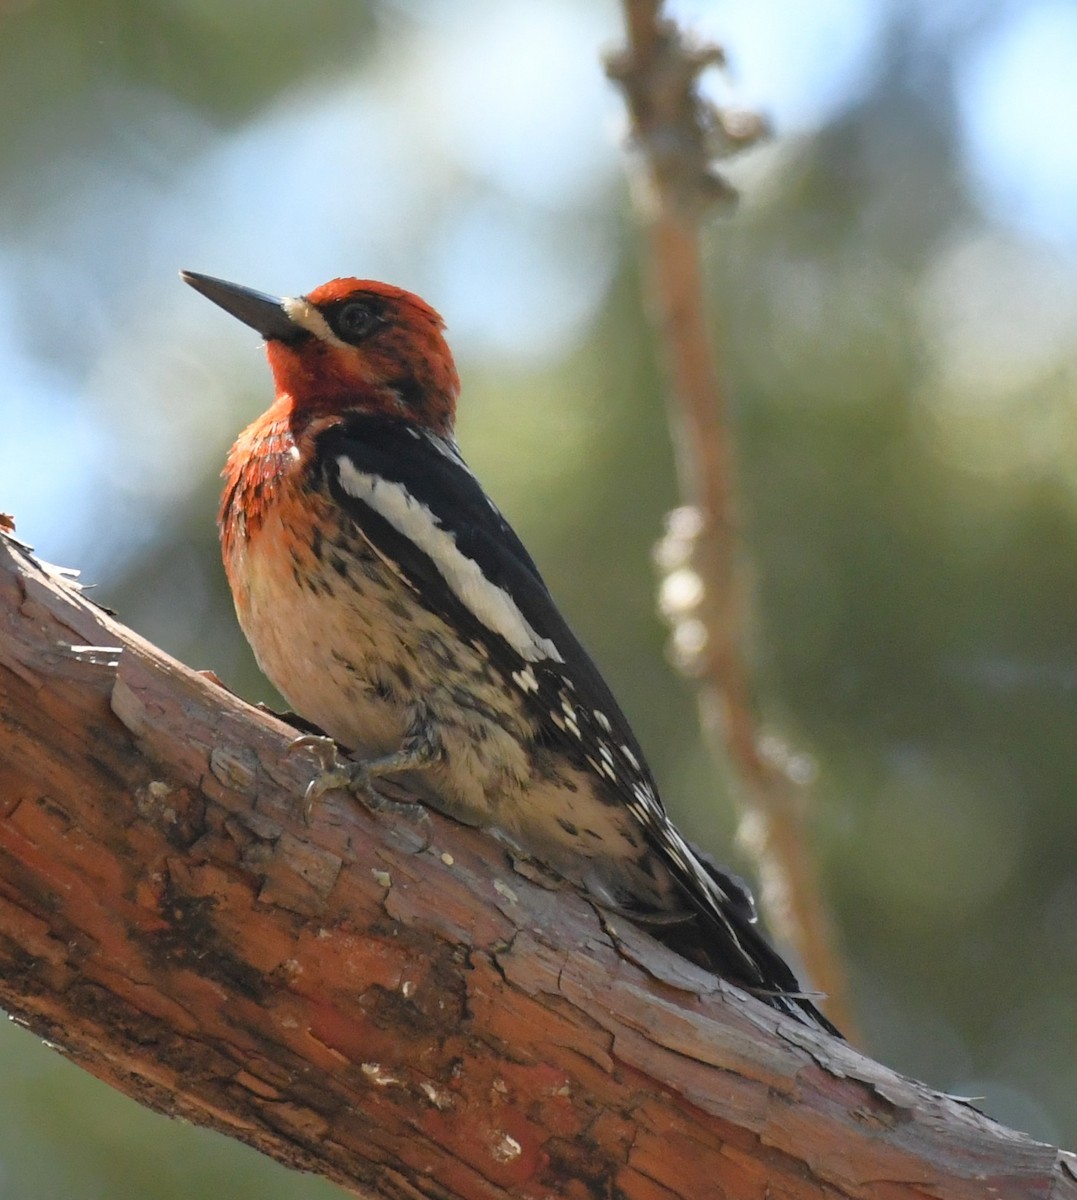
384	1001
679	136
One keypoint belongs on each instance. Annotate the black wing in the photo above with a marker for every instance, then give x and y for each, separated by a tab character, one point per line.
565	689
432	472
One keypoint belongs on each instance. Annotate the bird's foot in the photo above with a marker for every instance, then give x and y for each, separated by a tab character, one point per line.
338	773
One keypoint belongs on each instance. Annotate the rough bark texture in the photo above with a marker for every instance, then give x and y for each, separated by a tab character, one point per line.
386	1000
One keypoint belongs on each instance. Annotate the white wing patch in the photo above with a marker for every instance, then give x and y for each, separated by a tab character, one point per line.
490	604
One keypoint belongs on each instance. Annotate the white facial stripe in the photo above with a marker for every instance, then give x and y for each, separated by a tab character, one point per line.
492	605
304	314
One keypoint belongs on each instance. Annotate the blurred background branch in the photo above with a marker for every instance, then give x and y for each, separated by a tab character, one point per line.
679	136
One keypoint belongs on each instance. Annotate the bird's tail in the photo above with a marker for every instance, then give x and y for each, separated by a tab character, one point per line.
725	938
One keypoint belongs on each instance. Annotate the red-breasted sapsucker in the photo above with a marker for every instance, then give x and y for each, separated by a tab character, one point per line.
394	607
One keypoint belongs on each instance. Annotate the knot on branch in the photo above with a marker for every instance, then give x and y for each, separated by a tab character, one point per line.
681	589
681	133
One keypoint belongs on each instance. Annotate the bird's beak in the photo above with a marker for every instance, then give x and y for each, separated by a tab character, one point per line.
259	311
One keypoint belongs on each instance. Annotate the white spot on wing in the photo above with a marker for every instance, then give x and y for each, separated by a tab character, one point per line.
525	680
492	605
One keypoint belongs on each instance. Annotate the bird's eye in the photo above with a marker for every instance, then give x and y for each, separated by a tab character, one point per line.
355	320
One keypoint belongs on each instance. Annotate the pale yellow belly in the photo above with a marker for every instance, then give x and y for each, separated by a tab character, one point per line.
354	653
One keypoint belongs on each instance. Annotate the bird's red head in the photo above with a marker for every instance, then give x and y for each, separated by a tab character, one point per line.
351	344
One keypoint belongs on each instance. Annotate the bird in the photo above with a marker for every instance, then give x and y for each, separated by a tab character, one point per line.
397	611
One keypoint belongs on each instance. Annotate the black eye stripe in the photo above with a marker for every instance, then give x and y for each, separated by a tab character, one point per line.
354	320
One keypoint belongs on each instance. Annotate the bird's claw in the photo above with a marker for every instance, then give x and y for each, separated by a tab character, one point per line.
338	773
335	773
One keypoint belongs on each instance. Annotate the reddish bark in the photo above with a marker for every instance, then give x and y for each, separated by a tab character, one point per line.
387	1001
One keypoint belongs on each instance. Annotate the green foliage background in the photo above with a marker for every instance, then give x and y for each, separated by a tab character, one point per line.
903	377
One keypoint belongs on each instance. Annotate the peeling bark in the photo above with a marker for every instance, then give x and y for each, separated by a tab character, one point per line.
385	1000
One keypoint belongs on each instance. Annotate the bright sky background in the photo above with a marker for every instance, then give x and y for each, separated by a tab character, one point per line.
532	143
